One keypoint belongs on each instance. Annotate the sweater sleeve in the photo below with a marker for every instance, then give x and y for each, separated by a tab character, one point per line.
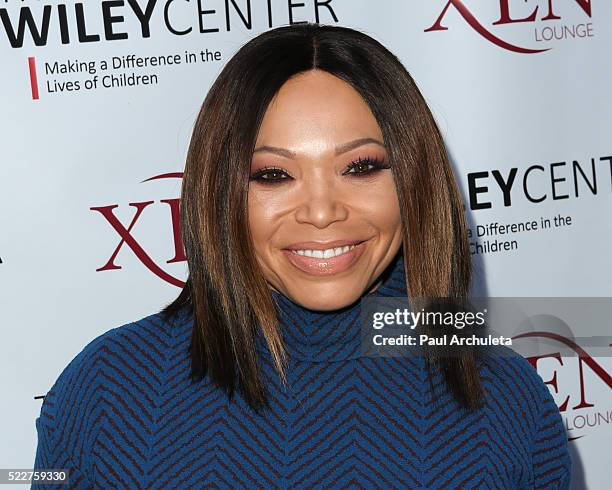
51	456
67	423
551	461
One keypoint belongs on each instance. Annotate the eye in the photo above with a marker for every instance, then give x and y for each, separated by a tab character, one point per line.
366	166
269	175
362	167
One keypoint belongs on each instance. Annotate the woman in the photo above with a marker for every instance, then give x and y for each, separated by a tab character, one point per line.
315	176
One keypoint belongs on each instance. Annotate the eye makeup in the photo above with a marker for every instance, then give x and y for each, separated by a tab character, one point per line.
353	170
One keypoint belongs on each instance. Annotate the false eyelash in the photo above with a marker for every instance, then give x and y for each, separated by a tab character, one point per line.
262	171
377	164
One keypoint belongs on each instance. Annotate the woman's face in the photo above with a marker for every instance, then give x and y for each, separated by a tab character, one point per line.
328	186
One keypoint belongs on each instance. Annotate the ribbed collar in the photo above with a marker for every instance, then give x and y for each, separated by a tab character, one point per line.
324	336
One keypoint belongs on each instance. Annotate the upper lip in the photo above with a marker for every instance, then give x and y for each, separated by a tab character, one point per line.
322	245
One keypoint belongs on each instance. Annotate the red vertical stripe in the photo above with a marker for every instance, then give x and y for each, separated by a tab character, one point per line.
33	79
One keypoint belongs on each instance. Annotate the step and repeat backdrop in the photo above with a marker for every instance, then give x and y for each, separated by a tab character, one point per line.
98	100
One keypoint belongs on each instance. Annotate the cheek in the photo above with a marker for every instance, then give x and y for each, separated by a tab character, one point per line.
386	215
262	214
262	209
380	204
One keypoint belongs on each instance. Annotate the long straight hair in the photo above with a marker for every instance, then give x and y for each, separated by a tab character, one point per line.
226	291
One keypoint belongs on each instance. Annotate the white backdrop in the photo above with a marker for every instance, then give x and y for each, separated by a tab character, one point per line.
513	84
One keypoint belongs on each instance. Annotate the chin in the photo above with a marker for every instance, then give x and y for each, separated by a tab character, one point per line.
324	301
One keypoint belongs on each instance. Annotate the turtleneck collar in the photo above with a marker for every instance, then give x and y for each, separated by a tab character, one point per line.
324	336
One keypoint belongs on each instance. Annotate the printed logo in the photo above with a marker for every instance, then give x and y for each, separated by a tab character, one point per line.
548	21
581	412
127	239
46	22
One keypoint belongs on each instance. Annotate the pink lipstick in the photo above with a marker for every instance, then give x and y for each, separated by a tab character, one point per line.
328	258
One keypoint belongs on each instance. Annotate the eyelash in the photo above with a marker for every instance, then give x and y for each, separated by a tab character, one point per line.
377	164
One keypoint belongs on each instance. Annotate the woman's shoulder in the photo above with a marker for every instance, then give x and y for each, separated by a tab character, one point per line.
114	371
118	358
150	336
505	368
518	396
510	379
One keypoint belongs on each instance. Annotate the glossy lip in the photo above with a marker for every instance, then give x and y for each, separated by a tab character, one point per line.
329	266
321	245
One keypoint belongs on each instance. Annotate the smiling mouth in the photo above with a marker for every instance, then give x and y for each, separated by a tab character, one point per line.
332	260
325	253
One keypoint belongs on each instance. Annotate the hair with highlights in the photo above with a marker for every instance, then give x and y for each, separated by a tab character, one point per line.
226	290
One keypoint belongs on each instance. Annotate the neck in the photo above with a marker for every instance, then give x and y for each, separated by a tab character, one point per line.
325	336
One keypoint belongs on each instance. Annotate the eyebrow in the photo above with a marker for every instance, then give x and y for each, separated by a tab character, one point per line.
351	145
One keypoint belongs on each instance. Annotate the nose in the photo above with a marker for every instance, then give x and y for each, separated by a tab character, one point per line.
321	202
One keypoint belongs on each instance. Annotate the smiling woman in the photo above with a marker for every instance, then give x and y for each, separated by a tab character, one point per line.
315	178
321	180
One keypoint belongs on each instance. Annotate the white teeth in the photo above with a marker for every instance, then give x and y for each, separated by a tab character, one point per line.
325	254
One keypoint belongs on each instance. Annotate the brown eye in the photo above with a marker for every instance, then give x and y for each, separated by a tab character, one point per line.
365	166
269	175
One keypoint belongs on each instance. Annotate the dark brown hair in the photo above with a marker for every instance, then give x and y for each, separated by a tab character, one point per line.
226	290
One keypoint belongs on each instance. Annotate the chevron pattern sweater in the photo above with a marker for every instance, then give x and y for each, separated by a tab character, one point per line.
124	414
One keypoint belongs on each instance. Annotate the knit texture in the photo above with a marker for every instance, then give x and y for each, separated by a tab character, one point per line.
125	414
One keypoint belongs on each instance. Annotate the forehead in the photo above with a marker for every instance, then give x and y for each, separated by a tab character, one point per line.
316	104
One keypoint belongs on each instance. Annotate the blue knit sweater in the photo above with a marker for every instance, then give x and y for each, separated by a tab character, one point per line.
124	414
